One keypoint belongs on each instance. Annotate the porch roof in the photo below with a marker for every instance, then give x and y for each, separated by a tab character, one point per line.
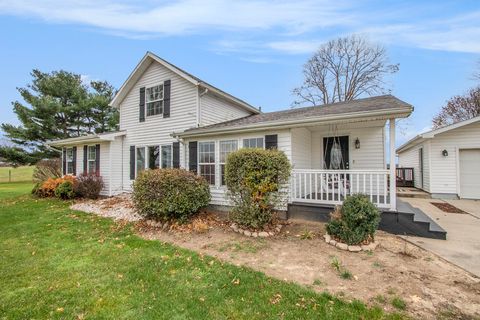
386	106
91	138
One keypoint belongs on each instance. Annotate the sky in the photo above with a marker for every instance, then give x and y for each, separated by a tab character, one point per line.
254	49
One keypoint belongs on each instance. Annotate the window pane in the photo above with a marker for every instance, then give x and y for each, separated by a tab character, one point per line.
207	152
227	147
208	172
154	93
70	154
166	156
153	157
92	153
140	160
91	166
70	167
154	108
253	143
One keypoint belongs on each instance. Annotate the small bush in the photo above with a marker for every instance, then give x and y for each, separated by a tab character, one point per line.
47	168
36	188
357	222
47	189
167	194
399	303
65	190
89	185
255	178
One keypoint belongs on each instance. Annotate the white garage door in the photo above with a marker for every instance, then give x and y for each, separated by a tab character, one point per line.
470	173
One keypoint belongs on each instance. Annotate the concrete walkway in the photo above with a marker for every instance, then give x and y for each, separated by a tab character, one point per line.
462	246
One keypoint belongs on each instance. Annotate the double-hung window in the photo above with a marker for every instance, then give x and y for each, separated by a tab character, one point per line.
154	100
167	156
253	143
140	160
69	161
206	153
91	159
153	157
226	147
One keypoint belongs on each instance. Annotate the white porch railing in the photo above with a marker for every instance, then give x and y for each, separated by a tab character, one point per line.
333	186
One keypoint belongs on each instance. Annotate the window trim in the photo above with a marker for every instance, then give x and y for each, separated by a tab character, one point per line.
251	138
220	163
153	101
214	163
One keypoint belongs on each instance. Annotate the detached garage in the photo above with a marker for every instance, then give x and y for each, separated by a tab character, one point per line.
446	161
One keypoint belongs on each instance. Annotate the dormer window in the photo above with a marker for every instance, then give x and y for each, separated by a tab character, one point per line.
154	100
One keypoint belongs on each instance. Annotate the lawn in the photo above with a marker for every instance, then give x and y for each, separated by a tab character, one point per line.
19	174
62	264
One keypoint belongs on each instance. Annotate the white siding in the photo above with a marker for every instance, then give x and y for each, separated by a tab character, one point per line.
115	177
411	159
214	109
301	148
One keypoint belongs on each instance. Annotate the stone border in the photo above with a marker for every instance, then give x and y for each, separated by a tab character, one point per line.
343	246
157	224
256	234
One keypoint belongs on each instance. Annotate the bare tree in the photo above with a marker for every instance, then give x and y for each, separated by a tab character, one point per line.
459	108
344	69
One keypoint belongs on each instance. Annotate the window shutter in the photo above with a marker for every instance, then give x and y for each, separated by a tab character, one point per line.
97	159
85	159
176	154
64	162
271	141
132	162
166	98
74	161
141	114
192	156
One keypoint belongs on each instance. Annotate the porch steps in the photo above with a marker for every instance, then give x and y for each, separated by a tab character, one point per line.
407	220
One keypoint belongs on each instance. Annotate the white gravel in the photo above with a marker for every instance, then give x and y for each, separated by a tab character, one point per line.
119	207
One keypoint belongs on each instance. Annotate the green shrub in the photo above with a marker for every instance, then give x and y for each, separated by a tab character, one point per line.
167	194
255	178
36	189
89	185
356	222
65	190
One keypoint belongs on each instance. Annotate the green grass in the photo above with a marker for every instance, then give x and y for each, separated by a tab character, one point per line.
399	303
61	264
19	174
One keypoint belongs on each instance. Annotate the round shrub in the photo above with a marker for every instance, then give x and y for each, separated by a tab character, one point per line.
255	178
356	221
166	194
89	185
65	190
48	187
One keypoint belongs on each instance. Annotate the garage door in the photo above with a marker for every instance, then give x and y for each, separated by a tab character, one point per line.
470	173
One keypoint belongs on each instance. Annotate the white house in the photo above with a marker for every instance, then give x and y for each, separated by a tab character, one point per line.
446	161
170	118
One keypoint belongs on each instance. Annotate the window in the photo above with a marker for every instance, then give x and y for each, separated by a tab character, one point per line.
153	157
253	143
226	147
167	156
154	100
206	155
69	161
140	160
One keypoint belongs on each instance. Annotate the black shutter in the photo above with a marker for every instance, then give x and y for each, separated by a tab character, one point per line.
64	161
85	159
166	98
176	154
97	159
132	162
74	161
141	114
271	141
192	156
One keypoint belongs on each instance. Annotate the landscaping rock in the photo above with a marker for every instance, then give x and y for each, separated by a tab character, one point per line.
263	234
333	242
278	227
247	233
271	234
342	246
255	234
327	238
165	226
354	248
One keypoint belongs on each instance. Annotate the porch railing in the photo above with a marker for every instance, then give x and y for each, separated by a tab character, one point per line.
333	186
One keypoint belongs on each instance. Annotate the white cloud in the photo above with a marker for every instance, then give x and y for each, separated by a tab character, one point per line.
294	46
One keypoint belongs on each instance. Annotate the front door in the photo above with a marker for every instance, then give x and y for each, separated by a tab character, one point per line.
334	145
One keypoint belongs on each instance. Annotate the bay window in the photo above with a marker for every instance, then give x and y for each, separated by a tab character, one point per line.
253	143
167	156
206	153
153	157
226	147
140	160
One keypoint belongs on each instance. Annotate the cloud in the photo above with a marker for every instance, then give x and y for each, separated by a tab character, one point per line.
295	46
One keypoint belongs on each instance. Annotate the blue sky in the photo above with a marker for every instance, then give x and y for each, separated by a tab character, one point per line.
252	49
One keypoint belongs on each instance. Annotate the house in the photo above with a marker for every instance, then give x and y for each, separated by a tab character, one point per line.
446	161
170	118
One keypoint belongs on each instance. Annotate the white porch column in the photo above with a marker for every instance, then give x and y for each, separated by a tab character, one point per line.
393	189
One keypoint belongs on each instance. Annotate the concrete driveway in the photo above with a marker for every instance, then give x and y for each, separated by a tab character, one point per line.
462	246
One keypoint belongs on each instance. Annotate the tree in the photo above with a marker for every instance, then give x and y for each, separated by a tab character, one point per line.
57	105
342	70
459	108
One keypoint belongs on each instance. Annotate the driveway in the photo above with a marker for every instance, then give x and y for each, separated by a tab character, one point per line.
462	246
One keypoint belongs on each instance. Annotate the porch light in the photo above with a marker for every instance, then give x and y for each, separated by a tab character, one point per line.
445	153
357	143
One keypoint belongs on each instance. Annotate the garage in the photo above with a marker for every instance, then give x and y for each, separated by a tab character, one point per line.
470	173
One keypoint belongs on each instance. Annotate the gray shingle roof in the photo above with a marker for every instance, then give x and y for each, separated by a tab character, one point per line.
377	103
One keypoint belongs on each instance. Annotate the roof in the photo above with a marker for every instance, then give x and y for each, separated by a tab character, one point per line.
432	133
387	106
149	58
90	138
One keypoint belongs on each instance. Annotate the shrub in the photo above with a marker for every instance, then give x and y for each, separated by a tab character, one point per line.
47	168
36	188
255	178
47	189
65	190
89	185
167	194
355	221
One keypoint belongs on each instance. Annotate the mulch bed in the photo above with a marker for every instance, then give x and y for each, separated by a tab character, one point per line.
447	207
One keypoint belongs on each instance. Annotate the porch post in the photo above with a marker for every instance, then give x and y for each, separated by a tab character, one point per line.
393	189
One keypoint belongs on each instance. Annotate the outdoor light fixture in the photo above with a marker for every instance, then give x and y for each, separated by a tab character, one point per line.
357	144
445	153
